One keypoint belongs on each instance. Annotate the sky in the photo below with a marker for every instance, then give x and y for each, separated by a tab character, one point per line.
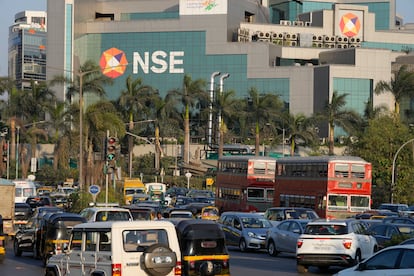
11	7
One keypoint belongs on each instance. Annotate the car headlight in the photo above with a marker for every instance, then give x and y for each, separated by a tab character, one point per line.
251	234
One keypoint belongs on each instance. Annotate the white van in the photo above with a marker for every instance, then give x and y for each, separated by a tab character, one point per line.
24	189
127	248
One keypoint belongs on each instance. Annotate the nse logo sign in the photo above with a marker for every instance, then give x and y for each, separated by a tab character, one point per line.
113	62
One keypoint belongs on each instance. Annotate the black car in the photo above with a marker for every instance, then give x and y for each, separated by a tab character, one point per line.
22	212
388	234
283	213
27	237
38	201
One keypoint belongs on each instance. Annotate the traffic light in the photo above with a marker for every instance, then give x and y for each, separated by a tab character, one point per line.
111	149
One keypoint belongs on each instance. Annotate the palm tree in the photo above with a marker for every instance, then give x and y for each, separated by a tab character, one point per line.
400	86
300	129
190	93
133	105
260	110
225	108
336	114
100	118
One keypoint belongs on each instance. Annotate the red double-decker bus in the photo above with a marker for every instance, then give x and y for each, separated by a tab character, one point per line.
334	186
245	183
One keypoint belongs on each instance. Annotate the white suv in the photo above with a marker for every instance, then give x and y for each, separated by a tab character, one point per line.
333	243
118	248
101	213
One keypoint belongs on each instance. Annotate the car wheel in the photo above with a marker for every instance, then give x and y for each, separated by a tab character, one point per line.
242	245
50	272
358	257
16	249
35	251
301	268
271	249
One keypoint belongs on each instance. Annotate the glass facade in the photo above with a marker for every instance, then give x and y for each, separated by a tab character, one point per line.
382	12
359	91
153	58
27	56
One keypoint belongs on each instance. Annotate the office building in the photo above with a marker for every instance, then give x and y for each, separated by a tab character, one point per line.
302	51
27	48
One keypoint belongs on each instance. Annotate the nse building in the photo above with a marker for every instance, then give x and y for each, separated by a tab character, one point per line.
302	51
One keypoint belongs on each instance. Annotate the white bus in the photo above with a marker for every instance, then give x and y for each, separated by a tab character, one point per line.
24	189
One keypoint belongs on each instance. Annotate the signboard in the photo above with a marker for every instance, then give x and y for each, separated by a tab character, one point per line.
203	7
94	190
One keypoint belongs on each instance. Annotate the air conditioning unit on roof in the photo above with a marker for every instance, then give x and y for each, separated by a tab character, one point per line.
261	35
307	23
274	35
298	23
285	22
342	45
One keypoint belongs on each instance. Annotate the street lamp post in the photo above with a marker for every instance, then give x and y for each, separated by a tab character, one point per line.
188	175
393	169
17	150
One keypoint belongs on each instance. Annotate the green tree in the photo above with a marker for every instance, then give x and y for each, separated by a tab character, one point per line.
100	118
300	130
400	86
224	106
191	92
378	145
260	110
335	114
133	105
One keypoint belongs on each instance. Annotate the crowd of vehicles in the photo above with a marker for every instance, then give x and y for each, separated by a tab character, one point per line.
317	208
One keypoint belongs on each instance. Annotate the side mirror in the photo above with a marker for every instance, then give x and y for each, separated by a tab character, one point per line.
361	266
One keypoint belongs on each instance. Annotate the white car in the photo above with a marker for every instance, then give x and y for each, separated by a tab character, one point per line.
391	261
126	248
101	213
333	243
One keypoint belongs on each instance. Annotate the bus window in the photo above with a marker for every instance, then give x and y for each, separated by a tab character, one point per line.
337	202
255	194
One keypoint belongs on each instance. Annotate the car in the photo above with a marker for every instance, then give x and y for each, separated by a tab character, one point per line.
376	213
245	230
106	213
398	220
339	242
393	260
388	233
408	241
27	237
22	213
182	214
141	213
284	236
127	247
401	209
38	201
282	213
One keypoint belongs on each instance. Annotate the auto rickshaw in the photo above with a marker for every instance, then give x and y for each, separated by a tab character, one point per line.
56	231
203	248
210	213
2	241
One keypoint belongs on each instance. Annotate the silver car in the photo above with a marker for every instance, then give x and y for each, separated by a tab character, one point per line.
245	230
284	236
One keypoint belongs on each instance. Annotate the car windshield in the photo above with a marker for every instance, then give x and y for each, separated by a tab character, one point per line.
255	223
326	229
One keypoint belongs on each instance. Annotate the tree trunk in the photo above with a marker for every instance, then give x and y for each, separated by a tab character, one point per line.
331	140
257	150
186	135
